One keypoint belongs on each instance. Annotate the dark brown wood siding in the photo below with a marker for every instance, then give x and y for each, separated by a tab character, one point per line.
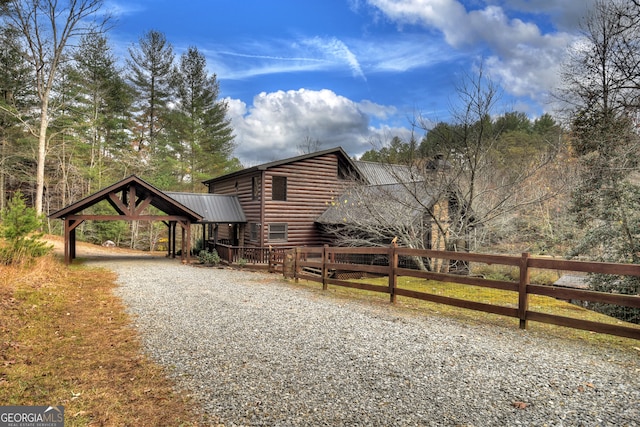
311	186
242	187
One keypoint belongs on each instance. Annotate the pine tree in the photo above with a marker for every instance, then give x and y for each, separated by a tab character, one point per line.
16	98
103	104
151	73
203	135
19	226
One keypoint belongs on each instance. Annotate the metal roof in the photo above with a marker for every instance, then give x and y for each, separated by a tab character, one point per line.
214	208
375	204
384	173
572	281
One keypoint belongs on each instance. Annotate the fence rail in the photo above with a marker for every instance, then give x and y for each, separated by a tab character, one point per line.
258	257
331	265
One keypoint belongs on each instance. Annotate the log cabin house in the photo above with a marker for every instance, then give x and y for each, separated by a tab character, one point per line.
291	202
281	200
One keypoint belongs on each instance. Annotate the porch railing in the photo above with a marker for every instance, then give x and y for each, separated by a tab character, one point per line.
271	258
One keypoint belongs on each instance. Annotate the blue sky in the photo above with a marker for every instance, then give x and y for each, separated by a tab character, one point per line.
355	73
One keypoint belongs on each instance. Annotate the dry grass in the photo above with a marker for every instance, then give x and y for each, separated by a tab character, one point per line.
66	340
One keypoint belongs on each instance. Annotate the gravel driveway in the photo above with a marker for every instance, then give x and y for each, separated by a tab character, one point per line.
256	351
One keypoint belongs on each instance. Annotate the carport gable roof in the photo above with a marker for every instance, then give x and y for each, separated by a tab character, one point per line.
214	208
145	194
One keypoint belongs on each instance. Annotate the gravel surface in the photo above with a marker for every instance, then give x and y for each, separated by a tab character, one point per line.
256	351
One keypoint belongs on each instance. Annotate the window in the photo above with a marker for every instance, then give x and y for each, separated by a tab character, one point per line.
279	188
255	187
278	232
254	231
344	170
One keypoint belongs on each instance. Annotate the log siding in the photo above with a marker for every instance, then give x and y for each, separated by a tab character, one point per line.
311	185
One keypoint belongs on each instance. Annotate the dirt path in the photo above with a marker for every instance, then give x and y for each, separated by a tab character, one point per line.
89	250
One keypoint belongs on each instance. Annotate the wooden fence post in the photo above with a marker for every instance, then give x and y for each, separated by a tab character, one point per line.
393	265
523	296
325	270
271	259
296	264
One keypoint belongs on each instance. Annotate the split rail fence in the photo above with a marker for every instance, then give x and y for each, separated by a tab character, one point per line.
330	265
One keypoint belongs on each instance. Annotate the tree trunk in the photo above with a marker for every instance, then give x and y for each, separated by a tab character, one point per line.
3	153
42	153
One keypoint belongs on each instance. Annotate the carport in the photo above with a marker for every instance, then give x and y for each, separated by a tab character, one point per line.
130	198
215	209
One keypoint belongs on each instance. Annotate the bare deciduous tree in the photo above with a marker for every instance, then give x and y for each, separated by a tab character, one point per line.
464	178
602	83
309	145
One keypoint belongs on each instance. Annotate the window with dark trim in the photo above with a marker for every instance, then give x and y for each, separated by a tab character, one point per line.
279	188
344	170
278	231
254	230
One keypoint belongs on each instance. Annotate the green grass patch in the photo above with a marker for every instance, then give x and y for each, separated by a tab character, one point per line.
480	294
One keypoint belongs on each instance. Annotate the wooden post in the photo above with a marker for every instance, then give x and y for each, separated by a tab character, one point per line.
183	244
168	224
204	237
131	205
325	271
393	265
296	264
173	239
72	241
67	241
70	226
188	244
272	261
523	296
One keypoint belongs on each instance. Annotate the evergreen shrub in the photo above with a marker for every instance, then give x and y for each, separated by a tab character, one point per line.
209	258
19	228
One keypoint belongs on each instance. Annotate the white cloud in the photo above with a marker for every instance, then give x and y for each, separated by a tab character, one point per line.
394	53
119	8
273	56
376	110
524	60
337	50
278	123
445	15
403	52
264	57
